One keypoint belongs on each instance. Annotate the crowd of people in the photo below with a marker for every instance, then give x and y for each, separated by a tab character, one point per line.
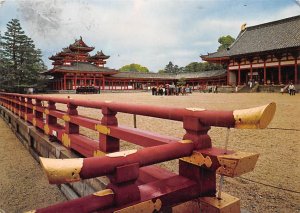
171	90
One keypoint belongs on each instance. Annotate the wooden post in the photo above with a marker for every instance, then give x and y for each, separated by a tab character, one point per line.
103	83
108	143
38	116
239	74
65	82
279	57
75	84
196	132
296	72
265	73
279	71
49	118
22	107
228	76
134	120
28	110
251	71
71	128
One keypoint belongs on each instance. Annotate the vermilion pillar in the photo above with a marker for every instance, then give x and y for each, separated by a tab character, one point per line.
103	83
265	73
239	74
65	82
296	72
279	72
251	71
228	77
75	81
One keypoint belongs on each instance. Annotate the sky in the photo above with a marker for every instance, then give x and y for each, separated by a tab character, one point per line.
146	32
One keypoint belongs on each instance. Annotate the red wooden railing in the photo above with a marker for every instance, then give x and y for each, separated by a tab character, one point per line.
134	180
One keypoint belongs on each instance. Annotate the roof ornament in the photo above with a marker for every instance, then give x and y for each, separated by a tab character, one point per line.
243	27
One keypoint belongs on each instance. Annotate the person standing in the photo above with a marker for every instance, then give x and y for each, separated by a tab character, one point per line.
291	89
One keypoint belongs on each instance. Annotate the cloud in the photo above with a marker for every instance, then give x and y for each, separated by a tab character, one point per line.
41	17
292	10
148	32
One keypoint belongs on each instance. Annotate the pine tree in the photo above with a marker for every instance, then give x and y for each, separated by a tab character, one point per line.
174	69
169	68
23	60
3	65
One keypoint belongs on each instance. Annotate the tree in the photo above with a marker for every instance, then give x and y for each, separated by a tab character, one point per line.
193	67
22	61
171	68
134	68
202	66
225	42
181	82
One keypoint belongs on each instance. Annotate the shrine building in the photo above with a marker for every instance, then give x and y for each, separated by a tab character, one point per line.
268	53
74	67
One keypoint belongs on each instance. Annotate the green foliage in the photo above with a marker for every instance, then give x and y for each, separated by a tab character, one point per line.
134	68
192	67
173	69
21	61
225	42
202	66
181	82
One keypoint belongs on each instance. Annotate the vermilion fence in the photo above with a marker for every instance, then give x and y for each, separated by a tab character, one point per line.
135	182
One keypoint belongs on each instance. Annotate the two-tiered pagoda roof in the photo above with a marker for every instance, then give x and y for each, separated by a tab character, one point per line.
80	46
99	56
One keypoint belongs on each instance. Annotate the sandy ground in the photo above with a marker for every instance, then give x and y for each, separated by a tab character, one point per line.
23	186
278	145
